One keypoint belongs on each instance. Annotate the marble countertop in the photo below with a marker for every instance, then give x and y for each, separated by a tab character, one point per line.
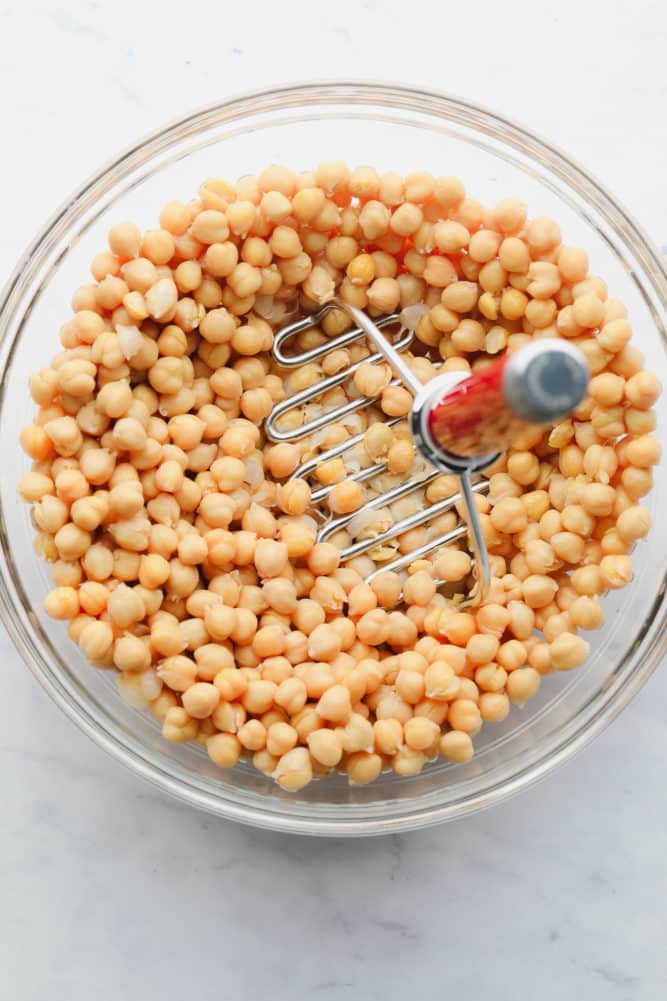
110	890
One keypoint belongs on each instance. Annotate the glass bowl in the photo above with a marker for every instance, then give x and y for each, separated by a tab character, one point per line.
390	127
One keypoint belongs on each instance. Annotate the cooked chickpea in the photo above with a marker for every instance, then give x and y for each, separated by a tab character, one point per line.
420	733
509	515
464	715
62	603
280	738
616	570
224	749
538	590
452	564
419	589
201	699
456	746
568	651
586	613
523	684
294	769
408	761
346	497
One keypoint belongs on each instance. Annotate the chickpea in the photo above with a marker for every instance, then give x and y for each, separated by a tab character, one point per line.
224	749
568	547
482	648
324	643
456	746
643	451
440	681
294	769
346	497
373	627
298	537
514	255
420	733
35	486
72	485
252	735
523	684
62	603
371	380
509	515
201	699
388	736
408	761
494	706
464	715
452	565
598	499
72	542
280	738
585	613
387	589
634	523
334	705
636	482
568	651
363	767
384	294
538	590
410	685
616	570
419	589
614	335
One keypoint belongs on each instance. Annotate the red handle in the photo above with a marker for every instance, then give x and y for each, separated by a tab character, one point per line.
531	388
473	418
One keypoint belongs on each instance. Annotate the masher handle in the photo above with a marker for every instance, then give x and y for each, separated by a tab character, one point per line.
482	414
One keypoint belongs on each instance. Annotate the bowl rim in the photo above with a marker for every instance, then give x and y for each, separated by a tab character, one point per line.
302	95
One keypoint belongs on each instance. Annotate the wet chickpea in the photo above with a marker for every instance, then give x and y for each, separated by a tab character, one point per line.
280	738
494	706
616	570
586	613
62	603
224	749
200	699
538	590
509	515
523	684
420	733
371	380
440	681
387	588
456	746
452	565
567	651
634	523
464	715
294	769
346	497
419	589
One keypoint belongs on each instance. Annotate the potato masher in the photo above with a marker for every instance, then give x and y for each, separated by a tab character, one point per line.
460	424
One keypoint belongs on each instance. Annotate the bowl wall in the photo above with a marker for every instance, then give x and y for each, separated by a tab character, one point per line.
391	128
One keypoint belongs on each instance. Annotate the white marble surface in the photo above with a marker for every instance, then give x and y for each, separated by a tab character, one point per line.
108	889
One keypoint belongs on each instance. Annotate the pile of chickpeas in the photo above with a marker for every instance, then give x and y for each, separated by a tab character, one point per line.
185	559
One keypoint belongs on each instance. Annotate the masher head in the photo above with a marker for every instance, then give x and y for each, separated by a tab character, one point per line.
460	424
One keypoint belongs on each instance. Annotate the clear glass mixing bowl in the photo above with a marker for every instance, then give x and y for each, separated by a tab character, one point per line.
392	128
